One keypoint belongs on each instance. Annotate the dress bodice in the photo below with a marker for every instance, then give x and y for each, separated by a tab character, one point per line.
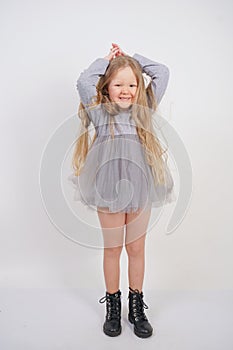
123	123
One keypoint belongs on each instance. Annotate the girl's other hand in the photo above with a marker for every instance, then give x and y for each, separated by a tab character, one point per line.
120	52
114	52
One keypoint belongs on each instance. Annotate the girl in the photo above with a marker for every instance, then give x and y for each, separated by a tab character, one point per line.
122	172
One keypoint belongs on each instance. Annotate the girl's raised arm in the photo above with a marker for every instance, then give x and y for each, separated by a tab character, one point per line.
158	72
88	79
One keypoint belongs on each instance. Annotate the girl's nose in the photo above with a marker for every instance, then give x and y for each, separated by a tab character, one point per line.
124	89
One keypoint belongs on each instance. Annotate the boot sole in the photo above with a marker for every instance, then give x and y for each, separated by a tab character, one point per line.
140	335
112	334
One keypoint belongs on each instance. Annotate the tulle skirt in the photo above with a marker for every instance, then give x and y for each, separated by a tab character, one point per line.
117	176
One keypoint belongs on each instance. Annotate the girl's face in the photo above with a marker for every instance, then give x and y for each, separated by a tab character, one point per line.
122	88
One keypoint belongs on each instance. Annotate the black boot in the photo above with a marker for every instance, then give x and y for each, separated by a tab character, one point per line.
142	327
112	324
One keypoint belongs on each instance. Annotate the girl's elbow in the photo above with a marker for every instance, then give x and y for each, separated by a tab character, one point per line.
166	71
166	74
81	81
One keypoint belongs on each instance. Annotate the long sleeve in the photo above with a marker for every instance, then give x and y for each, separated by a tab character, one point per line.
158	72
88	79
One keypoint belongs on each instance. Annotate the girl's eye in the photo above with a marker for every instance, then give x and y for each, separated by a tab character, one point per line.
132	85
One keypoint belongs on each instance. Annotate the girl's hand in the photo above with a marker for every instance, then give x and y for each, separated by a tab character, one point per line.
114	52
120	52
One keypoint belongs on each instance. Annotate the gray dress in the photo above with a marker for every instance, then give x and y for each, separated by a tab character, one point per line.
116	174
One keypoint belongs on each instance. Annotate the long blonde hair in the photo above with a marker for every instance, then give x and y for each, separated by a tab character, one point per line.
142	112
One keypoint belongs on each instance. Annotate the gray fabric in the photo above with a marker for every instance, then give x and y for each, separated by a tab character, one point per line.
123	123
116	174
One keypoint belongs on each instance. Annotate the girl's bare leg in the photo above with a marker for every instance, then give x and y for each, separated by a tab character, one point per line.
136	228
113	233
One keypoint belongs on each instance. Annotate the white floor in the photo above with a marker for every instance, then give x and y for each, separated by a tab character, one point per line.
68	319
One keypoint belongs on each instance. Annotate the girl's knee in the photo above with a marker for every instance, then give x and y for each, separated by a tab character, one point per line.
113	251
136	247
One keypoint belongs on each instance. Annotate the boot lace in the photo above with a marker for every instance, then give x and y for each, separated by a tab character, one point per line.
138	305
113	306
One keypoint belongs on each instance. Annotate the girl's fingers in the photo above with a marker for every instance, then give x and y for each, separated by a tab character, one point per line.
115	46
121	53
114	49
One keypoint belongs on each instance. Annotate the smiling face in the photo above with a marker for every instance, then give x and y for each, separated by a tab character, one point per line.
122	87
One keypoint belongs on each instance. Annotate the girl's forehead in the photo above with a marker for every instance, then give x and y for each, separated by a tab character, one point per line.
124	73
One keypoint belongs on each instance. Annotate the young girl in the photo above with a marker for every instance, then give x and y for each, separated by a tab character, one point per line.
122	173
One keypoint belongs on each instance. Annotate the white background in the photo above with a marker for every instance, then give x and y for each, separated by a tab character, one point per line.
44	47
